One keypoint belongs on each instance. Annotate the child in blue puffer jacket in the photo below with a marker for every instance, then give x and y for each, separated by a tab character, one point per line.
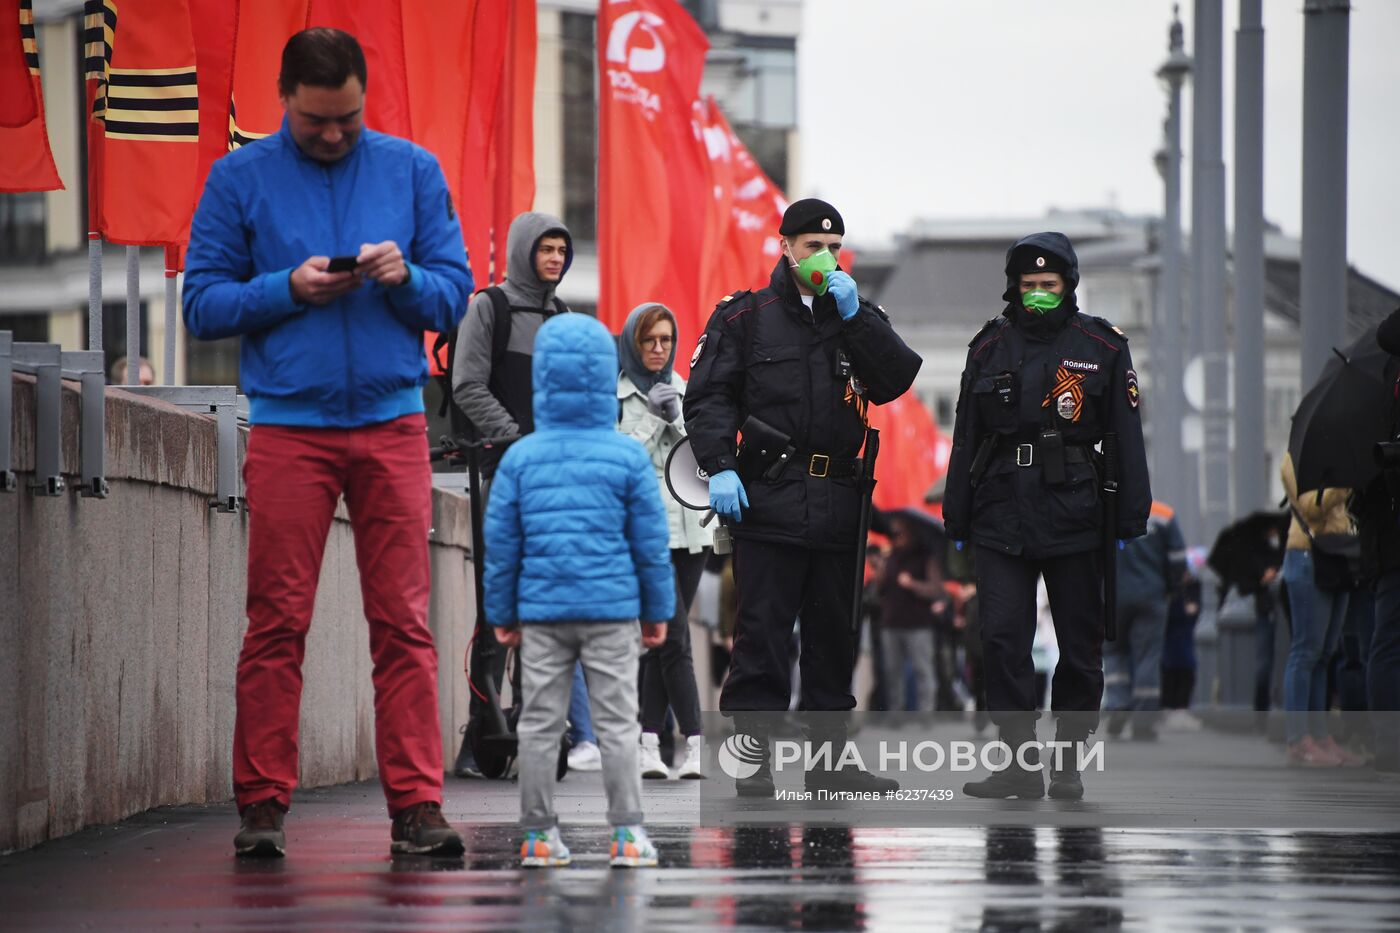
577	551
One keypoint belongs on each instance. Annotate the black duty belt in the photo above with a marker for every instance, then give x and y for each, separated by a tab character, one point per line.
1026	454
823	466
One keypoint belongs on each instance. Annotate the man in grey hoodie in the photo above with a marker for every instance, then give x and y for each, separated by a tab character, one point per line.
493	388
491	384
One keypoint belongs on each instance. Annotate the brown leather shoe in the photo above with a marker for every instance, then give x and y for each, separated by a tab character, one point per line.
422	830
261	833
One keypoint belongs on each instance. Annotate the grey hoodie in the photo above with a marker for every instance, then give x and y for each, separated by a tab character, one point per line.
471	367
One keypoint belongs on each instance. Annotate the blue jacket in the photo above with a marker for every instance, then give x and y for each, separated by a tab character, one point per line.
1151	568
358	360
575	529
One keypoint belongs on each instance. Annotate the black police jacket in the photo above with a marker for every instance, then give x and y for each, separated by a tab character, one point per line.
765	354
1069	373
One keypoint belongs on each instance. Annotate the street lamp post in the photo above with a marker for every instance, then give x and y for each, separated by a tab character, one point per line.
1251	453
1208	266
1169	397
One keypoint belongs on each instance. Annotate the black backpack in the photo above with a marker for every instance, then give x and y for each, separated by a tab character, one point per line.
458	422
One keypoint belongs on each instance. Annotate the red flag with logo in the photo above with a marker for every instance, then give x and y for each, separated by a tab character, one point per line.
651	160
26	161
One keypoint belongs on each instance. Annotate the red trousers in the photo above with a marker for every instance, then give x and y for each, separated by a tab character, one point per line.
294	478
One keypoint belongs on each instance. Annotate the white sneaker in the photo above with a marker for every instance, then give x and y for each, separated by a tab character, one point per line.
585	757
1180	720
694	758
649	757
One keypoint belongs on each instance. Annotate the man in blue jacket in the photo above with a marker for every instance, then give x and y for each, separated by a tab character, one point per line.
332	361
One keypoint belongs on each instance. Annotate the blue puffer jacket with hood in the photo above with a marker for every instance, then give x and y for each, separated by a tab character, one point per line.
575	529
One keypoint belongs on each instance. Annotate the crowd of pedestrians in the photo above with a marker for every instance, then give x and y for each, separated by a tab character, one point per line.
592	571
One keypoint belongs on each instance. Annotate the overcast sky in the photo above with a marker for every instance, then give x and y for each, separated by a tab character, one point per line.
977	108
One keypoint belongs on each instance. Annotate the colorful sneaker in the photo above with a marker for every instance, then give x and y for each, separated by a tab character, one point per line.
632	849
542	848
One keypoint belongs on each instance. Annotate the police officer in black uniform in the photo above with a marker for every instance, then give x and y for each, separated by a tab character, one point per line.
1044	384
793	365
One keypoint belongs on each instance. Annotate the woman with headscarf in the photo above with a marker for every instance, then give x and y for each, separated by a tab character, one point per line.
649	394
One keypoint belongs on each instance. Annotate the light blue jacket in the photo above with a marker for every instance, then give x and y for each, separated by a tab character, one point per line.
575	529
266	209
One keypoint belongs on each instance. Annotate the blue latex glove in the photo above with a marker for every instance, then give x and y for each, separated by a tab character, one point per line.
959	544
843	289
727	495
1122	545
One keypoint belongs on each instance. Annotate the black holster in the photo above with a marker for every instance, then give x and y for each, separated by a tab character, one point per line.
764	451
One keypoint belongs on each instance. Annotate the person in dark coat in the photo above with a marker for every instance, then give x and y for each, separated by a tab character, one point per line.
1378	513
1044	383
804	356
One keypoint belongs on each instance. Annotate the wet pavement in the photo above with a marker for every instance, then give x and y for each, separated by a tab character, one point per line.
172	869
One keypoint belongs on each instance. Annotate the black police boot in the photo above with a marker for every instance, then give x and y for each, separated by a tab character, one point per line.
759	784
1065	780
1065	783
853	779
1013	780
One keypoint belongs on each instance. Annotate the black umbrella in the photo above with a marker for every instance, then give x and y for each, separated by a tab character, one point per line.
928	528
1244	550
1339	421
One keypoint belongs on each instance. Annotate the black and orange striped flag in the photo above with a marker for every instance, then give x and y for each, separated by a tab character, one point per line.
26	161
144	95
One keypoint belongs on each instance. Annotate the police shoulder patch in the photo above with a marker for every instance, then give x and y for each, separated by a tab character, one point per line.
699	349
730	299
1134	395
986	330
1109	326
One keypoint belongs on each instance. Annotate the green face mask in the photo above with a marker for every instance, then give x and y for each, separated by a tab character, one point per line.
1039	302
816	269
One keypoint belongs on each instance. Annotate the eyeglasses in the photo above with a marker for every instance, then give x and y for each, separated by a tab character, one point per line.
661	343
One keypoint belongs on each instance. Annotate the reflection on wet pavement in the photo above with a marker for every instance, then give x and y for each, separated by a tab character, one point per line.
171	868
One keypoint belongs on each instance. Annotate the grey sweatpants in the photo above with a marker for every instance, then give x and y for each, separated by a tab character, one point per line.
608	651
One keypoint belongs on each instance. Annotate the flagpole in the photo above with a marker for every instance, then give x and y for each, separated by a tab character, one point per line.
170	274
133	315
94	291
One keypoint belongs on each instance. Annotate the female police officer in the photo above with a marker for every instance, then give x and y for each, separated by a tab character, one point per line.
1044	383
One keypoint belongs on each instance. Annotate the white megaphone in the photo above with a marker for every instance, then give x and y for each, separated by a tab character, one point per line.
688	484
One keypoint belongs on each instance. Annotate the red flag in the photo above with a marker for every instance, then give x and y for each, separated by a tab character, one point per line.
912	452
147	114
490	33
438	64
512	166
215	26
26	162
717	279
379	27
264	26
651	171
752	242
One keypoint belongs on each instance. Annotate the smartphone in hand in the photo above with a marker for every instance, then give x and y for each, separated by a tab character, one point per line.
343	264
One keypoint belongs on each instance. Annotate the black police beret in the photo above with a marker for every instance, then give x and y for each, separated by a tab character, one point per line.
811	215
1028	260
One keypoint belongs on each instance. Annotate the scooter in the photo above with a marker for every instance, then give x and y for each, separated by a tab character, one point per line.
490	736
